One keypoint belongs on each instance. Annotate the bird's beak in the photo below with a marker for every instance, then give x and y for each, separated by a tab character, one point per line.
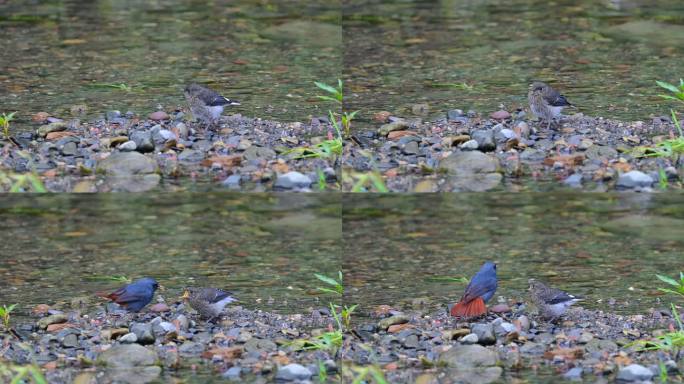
162	288
186	295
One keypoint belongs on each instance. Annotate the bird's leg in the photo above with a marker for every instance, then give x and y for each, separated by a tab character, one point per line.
548	124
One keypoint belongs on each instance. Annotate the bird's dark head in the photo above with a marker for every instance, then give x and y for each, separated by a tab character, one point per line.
489	266
148	281
533	285
537	86
192	89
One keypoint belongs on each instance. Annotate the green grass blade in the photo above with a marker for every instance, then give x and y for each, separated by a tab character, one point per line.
668	280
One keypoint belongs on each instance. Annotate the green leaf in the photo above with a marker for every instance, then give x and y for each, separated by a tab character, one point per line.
327	98
668	280
668	86
326	279
327	290
326	87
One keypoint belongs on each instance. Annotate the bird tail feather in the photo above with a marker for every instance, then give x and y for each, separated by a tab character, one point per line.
474	308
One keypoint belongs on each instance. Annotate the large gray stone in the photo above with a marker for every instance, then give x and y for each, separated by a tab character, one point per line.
292	372
634	372
469	356
127	356
468	163
634	179
126	164
292	180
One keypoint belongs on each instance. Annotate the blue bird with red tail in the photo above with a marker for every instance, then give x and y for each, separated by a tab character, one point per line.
480	289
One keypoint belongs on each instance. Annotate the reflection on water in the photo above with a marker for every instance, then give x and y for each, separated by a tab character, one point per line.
267	54
266	247
605	55
602	246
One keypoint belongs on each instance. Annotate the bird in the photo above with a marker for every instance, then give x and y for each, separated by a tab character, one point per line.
206	104
552	302
208	302
545	102
136	295
480	289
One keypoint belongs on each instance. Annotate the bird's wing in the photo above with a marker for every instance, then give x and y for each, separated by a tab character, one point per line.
557	296
558	100
220	100
214	295
126	295
473	291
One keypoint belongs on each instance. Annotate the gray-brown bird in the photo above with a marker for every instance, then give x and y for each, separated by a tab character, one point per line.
205	104
552	302
208	302
545	102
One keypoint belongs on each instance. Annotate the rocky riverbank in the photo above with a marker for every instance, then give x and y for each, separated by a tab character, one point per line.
591	346
506	151
124	152
83	343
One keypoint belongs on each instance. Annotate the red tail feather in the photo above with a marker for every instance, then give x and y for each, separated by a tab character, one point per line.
473	308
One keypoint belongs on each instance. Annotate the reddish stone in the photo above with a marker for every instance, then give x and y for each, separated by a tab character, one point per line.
159	115
500	115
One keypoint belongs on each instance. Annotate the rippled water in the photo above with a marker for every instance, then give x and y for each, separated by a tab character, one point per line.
601	246
265	247
266	54
604	55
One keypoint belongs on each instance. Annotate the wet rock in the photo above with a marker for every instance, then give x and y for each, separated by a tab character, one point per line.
393	320
468	163
143	141
485	140
500	115
531	348
232	181
523	322
40	117
191	156
70	341
634	372
574	374
600	345
159	115
468	356
475	375
258	153
585	337
292	180
485	333
292	372
470	338
191	348
381	117
634	179
127	163
52	127
183	322
128	338
574	180
411	148
137	375
127	356
394	126
70	149
260	345
143	332
132	183
52	319
128	146
470	145
232	373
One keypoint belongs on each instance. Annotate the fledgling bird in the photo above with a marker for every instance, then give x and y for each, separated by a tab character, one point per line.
545	102
136	295
552	302
480	289
205	104
208	302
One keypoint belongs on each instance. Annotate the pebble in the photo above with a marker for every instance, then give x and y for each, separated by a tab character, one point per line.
634	372
128	338
574	374
127	356
232	373
128	146
159	115
52	319
634	179
292	180
292	372
485	333
500	115
470	338
392	320
470	145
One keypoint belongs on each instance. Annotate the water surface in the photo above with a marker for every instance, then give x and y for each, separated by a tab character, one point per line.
606	247
604	55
